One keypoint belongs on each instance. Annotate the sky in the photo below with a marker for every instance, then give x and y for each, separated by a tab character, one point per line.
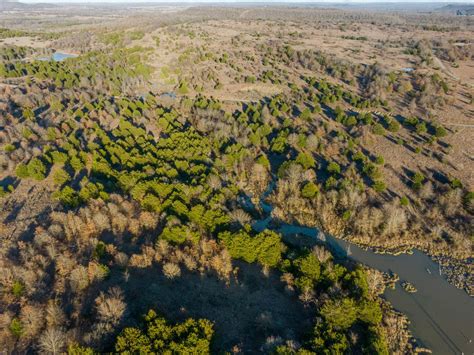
242	1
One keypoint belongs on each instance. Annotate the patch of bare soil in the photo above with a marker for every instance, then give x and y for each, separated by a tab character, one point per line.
25	42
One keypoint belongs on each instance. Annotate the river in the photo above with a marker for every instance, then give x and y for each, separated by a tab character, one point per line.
441	315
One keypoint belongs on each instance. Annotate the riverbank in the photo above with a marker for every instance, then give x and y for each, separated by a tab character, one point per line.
457	272
440	314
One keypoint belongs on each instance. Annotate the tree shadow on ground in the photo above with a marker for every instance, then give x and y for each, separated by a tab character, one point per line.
245	312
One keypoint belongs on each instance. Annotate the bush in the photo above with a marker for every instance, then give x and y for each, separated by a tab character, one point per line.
393	126
411	121
334	168
190	337
440	132
36	169
309	267
379	186
16	328
174	234
417	180
421	128
456	184
404	201
68	197
340	314
60	177
380	160
305	160
350	121
378	129
265	247
309	190
171	270
370	312
18	289
21	171
9	148
183	88
305	114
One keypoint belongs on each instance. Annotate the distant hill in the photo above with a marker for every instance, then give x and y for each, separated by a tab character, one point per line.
6	5
458	9
11	5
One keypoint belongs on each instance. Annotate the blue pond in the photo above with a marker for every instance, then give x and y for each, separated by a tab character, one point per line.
58	57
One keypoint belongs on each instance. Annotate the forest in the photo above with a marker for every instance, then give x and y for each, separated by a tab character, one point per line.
135	172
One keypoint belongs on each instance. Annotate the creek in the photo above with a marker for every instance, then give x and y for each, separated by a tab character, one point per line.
441	315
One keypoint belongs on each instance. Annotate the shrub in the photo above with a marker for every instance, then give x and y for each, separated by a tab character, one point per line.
421	128
372	171
456	184
393	126
305	114
340	314
379	186
250	79
190	337
171	270
183	88
9	148
411	121
21	171
369	312
60	177
309	190
18	289
417	180
380	160
404	201
28	113
469	197
305	160
334	168
378	129
440	132
36	169
16	328
68	197
265	247
350	121
178	234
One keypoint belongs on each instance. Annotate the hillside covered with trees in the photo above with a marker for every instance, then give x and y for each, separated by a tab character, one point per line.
135	173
